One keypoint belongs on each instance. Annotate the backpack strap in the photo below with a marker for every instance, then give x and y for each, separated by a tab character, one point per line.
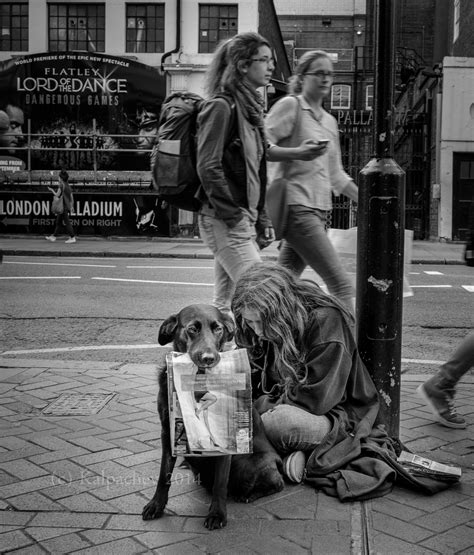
233	117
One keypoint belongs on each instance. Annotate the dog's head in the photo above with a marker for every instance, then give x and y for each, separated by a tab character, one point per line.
199	330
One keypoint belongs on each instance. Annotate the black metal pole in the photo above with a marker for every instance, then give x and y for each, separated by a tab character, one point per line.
381	230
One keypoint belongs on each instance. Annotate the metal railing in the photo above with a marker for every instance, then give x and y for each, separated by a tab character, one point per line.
65	150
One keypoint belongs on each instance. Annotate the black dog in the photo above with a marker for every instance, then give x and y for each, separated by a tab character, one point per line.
201	331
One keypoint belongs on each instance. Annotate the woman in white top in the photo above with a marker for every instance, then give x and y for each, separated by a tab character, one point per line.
310	183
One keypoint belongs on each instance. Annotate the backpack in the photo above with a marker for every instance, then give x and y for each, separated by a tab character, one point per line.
173	158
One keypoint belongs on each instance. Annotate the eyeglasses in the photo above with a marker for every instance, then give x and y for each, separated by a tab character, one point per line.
267	61
321	74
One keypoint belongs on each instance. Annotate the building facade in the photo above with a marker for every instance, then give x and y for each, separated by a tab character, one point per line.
81	86
343	28
433	115
434	132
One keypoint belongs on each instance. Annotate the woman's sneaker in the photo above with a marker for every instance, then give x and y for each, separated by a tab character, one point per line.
294	466
70	240
51	238
441	403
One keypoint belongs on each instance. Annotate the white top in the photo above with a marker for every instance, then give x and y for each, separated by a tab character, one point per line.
310	182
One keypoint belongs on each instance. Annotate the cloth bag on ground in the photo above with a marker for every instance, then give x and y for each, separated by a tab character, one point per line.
57	206
276	198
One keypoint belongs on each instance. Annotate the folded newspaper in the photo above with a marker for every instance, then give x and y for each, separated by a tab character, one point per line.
421	466
210	409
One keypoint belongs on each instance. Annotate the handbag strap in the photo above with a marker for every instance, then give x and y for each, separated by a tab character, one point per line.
296	124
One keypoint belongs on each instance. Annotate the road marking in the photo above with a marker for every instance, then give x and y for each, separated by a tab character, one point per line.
63	264
432	286
433	273
40	277
155	281
83	348
173	267
468	288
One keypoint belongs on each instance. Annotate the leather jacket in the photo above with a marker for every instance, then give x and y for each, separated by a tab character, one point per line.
221	163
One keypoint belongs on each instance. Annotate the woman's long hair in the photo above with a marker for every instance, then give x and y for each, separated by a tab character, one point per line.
285	303
295	85
225	69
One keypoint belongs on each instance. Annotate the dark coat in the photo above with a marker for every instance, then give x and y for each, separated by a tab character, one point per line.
356	459
221	163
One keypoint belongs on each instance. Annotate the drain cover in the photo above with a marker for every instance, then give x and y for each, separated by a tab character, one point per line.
78	404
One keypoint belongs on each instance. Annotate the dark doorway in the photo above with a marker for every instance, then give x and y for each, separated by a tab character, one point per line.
463	195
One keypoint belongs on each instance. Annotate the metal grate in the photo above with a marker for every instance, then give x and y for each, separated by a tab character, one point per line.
78	404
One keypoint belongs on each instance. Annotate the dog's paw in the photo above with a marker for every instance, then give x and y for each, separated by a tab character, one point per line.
153	510
215	519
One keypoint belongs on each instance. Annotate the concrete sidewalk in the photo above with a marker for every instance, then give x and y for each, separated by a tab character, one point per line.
423	252
76	483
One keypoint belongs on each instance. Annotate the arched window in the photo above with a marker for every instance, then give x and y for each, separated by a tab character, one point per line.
340	97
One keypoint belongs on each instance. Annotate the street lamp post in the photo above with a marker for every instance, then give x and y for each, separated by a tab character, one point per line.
380	243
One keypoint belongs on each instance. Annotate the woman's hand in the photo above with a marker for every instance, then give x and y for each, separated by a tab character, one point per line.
310	149
265	237
307	150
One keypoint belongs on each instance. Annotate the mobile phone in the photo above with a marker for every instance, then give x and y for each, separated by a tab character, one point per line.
323	143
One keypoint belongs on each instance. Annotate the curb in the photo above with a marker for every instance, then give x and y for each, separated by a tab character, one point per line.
204	256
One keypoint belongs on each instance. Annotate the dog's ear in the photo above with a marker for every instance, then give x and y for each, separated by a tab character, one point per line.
168	329
229	326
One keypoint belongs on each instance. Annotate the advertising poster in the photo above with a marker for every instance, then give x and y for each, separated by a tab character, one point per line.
101	213
210	409
78	103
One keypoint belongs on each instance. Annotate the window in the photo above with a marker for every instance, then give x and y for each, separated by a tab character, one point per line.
340	96
457	17
13	26
145	28
76	27
216	22
369	97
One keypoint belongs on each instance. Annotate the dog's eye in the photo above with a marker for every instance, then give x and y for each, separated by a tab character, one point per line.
192	330
218	329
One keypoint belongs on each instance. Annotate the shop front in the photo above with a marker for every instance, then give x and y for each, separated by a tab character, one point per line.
94	115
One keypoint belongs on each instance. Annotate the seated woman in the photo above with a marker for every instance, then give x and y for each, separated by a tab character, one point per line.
317	399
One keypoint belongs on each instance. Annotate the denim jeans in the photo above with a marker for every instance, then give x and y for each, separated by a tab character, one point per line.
460	362
234	250
306	244
290	428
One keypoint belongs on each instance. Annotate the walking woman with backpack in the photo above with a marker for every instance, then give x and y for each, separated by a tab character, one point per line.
231	160
63	193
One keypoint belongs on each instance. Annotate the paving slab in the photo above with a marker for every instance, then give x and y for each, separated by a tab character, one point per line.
79	484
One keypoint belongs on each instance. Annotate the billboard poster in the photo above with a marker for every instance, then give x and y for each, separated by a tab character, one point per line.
78	103
97	214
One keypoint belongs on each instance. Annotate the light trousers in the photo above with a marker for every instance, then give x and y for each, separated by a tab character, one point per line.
234	250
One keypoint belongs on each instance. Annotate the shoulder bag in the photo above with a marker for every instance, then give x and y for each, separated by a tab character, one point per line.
276	201
57	206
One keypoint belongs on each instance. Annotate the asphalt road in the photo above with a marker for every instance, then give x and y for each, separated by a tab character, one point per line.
96	309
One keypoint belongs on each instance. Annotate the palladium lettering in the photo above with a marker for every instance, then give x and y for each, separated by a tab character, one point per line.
41	208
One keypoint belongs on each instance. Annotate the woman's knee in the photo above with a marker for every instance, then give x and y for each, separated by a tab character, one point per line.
290	428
